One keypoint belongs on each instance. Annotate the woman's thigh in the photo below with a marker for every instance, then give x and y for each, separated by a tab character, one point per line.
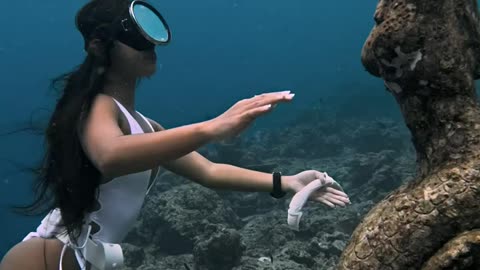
39	254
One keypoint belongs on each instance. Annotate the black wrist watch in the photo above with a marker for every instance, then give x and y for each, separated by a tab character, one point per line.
277	186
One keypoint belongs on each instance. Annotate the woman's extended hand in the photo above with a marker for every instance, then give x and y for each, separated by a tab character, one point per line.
243	113
312	185
330	192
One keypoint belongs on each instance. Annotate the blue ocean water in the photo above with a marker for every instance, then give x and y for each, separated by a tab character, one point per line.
222	51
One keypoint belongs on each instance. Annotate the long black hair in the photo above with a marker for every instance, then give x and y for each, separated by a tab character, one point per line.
66	178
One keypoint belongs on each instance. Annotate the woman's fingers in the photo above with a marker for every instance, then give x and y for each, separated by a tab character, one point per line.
342	197
324	201
340	200
333	200
256	112
267	99
336	191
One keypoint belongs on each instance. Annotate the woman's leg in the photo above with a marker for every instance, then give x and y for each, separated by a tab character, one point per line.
39	254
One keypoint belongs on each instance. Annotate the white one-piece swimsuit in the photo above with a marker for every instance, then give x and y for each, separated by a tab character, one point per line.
120	201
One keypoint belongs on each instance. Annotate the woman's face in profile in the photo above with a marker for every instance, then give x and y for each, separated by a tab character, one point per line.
132	61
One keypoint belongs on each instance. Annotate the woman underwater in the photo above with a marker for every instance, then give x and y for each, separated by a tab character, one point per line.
102	155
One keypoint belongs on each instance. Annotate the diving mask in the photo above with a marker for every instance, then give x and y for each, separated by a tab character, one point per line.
141	27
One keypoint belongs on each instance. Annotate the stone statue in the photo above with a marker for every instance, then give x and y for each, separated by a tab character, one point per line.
427	52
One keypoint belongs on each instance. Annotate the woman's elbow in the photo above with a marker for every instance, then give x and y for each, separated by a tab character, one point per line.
106	163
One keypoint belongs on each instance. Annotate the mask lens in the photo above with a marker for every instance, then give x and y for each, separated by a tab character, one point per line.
151	23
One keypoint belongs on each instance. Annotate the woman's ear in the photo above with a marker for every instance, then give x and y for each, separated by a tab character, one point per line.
97	48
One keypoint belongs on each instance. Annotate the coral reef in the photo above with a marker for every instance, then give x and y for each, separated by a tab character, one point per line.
184	223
